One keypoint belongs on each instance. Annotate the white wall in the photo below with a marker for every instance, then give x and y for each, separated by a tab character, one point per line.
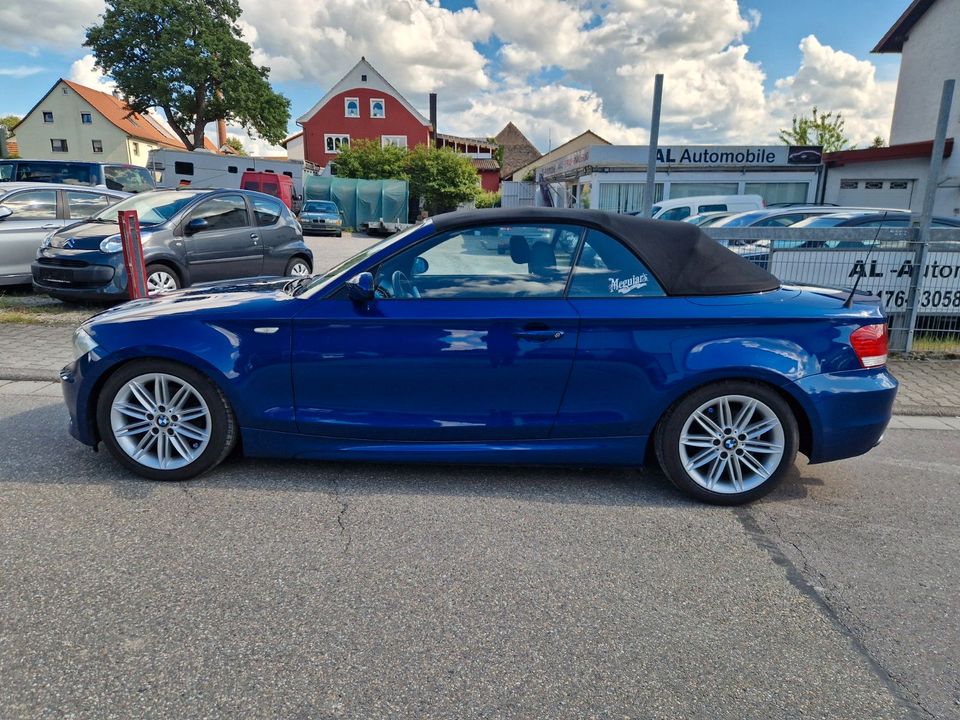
947	201
34	135
930	55
295	149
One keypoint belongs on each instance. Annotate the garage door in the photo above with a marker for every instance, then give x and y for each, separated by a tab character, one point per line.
892	194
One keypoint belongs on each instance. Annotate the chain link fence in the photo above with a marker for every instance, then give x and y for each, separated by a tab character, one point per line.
919	291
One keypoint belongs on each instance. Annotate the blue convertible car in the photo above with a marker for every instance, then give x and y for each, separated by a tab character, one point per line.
589	338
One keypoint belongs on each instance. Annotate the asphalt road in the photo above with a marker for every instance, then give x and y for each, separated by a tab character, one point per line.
311	590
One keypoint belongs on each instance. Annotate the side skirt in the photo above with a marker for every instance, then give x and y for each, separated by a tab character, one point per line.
560	451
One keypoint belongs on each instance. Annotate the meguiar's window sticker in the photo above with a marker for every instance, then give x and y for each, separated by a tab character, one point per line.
628	285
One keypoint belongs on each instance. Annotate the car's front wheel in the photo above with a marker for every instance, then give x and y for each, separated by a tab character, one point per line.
728	442
161	279
164	420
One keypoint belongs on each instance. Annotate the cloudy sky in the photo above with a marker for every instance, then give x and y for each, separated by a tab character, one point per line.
735	71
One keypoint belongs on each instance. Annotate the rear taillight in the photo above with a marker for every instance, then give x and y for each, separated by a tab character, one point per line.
870	345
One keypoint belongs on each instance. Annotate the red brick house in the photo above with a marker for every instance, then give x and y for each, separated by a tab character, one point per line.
361	105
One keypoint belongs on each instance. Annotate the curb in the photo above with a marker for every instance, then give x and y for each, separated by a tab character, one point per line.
15	374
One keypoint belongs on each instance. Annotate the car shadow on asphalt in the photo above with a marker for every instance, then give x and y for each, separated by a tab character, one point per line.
36	448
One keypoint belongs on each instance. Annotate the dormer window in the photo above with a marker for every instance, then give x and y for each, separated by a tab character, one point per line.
351	107
377	108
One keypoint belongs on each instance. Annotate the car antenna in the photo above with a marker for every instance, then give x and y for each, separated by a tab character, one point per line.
849	302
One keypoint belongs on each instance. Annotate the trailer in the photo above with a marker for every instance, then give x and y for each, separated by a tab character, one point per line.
202	168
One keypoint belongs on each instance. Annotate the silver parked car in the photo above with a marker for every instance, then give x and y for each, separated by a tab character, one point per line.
31	211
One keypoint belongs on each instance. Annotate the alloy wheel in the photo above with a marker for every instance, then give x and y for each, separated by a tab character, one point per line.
160	421
731	444
299	269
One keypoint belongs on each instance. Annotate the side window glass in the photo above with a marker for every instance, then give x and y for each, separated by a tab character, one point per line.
484	262
677	213
128	179
223	213
608	269
84	204
33	205
711	208
267	212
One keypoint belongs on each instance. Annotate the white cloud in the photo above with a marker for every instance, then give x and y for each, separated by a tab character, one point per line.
837	81
84	72
58	24
21	71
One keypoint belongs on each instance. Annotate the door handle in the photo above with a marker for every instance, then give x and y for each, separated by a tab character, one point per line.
254	237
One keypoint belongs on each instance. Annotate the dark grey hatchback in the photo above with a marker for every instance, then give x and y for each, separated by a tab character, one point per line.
189	236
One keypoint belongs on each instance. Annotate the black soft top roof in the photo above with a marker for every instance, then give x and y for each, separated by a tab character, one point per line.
684	259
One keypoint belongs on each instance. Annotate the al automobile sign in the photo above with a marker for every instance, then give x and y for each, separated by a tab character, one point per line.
884	273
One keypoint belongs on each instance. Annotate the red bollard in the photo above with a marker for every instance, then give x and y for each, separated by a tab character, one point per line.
133	254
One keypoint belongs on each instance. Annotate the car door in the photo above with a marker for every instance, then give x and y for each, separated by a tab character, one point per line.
274	234
33	216
623	359
228	246
463	343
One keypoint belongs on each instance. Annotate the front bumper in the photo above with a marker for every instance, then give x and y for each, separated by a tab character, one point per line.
848	411
80	275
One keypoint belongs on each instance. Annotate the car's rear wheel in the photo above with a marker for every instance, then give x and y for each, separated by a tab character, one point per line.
728	443
298	267
161	279
164	420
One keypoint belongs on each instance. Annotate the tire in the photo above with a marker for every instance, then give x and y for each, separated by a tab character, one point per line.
721	467
208	435
298	267
161	279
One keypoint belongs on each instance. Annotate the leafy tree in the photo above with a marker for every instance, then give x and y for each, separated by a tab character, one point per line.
443	178
878	142
822	129
8	121
187	58
236	145
368	160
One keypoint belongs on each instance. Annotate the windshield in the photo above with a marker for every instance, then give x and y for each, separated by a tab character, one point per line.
153	208
823	221
742	220
320	281
319	206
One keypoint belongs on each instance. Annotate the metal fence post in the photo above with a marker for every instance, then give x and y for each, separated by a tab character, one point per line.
647	205
926	214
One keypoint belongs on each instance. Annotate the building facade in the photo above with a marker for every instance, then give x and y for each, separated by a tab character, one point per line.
613	177
362	105
75	122
925	36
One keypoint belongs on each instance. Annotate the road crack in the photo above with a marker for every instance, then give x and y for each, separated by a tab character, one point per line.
343	506
818	592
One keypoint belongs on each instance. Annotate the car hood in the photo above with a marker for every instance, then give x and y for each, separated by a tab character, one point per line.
84	235
234	298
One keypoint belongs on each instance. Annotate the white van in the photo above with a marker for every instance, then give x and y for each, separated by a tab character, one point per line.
685	207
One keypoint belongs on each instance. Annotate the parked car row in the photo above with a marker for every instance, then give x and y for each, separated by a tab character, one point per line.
66	240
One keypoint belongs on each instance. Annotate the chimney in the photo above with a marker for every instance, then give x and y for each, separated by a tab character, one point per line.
433	114
221	133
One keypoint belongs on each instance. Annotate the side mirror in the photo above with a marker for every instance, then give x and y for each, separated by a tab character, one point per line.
361	287
197	225
5	212
420	266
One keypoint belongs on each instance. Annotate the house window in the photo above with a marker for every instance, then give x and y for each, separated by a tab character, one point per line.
183	168
136	148
97	145
86	118
47	116
351	107
363	78
849	184
377	108
393	141
58	145
232	169
333	143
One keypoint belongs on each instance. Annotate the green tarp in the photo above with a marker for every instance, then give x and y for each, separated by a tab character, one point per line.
361	200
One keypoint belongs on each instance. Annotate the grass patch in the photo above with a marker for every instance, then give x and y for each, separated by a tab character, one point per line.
927	344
